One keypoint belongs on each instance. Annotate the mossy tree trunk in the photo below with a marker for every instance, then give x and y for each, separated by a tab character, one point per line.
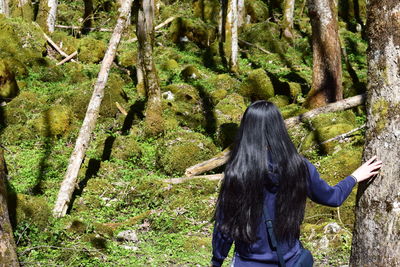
327	66
229	34
47	15
82	143
8	255
241	13
376	238
4	9
288	15
145	33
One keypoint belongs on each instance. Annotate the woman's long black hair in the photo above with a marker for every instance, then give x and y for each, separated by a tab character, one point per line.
262	137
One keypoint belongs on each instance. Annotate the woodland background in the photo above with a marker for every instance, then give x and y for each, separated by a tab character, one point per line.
125	210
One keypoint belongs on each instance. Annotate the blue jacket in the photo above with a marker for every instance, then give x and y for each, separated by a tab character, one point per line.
260	251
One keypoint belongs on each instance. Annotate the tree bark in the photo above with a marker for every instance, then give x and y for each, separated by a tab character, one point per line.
287	22
241	13
327	67
47	15
87	16
4	8
376	238
229	34
223	157
83	140
8	255
145	33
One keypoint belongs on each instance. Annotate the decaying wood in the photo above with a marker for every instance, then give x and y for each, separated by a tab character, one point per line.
83	28
337	106
70	180
67	58
8	255
56	47
159	26
211	177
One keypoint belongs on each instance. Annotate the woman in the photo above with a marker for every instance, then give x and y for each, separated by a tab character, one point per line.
265	168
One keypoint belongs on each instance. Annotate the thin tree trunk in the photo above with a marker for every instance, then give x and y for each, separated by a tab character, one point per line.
87	16
229	34
241	13
327	67
145	33
8	255
376	238
221	159
288	15
47	15
83	140
4	9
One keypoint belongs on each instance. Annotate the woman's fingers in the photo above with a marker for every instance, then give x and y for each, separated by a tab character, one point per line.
370	160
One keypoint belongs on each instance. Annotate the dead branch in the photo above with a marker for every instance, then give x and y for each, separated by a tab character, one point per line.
67	58
83	28
255	45
121	109
56	47
211	177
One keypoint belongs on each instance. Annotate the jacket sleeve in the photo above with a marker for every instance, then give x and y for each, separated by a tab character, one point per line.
221	246
322	193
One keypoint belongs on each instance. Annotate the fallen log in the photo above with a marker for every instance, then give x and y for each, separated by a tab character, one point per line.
82	143
210	177
290	122
83	28
67	58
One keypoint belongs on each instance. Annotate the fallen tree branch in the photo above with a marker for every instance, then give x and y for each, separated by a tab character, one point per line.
121	109
56	47
83	28
337	106
211	177
159	26
255	45
67	58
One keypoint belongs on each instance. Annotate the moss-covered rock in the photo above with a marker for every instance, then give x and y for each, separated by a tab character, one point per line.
292	110
218	95
181	149
22	44
55	121
31	209
323	120
170	65
183	102
194	30
257	10
68	43
8	85
51	74
91	50
21	108
295	91
225	82
207	10
257	86
190	73
228	113
127	57
279	100
322	134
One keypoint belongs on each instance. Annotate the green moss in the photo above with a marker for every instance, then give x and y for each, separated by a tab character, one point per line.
190	73
184	104
91	50
323	120
170	65
125	147
228	113
292	110
104	230
21	108
55	121
17	133
218	95
32	209
380	110
8	85
77	226
127	57
75	72
257	10
52	74
324	133
226	82
182	149
206	10
279	100
25	11
295	90
257	85
69	43
196	30
154	122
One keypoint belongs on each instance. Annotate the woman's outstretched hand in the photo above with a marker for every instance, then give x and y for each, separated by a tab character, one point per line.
368	169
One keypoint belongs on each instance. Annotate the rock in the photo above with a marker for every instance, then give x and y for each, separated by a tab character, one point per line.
133	248
170	65
8	85
128	236
279	100
332	228
257	86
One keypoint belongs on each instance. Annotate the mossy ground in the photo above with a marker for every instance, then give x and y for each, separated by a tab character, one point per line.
121	180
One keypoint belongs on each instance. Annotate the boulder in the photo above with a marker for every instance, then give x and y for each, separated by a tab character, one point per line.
8	85
257	86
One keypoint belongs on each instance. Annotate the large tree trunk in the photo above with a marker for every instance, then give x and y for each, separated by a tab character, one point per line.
4	9
83	140
229	34
47	15
145	33
376	239
327	67
8	255
288	15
